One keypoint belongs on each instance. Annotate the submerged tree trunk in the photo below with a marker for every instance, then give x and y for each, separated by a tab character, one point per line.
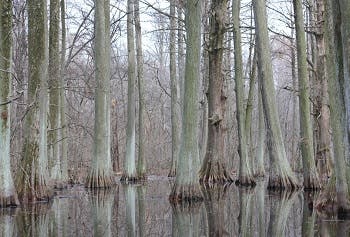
213	168
245	171
186	187
175	110
311	179
8	195
54	133
33	176
100	175
129	173
141	162
281	175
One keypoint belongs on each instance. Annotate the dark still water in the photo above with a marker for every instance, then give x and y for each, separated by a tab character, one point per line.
144	210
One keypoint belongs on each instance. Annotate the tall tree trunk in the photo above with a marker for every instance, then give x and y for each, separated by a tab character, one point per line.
54	134
64	148
245	172
260	150
336	101
345	28
213	168
311	179
175	114
141	163
129	173
32	180
8	195
281	175
100	175
321	107
186	187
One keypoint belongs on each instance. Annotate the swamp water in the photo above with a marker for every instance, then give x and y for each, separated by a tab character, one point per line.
144	210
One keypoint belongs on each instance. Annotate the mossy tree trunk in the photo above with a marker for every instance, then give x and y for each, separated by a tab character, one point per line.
213	168
174	85
129	173
54	133
345	29
245	176
141	162
8	194
335	74
33	176
281	174
100	175
186	187
311	179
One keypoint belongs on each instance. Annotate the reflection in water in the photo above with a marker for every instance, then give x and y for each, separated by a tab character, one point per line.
101	210
187	220
7	223
144	210
214	200
280	206
245	214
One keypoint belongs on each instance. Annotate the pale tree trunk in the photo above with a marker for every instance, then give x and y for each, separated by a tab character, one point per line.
141	163
311	179
337	104
345	28
186	187
321	107
8	195
64	143
281	175
130	197
175	103
245	177
205	80
129	173
100	175
33	176
260	150
54	133
213	168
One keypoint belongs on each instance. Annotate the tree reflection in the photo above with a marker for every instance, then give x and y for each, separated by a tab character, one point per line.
141	190
130	199
7	223
214	201
59	222
101	210
245	215
34	220
280	205
186	218
309	215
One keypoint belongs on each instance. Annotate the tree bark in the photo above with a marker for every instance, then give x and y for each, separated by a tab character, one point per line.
54	134
8	194
174	85
245	172
213	168
141	163
64	143
130	159
281	175
186	187
32	180
311	179
336	101
100	175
